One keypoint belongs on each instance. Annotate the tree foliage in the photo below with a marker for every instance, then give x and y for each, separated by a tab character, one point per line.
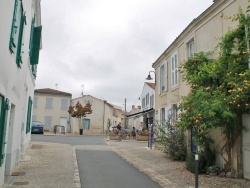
220	88
78	111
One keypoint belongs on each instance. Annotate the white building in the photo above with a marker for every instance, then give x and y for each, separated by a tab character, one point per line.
103	115
20	36
143	115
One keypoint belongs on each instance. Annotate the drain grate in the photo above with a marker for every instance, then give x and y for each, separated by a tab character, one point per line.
36	146
18	173
21	183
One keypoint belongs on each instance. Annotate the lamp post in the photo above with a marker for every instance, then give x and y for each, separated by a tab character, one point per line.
149	76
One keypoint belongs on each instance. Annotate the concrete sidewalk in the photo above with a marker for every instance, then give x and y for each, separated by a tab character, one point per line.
46	165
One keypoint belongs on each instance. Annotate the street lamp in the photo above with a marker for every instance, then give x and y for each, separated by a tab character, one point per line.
149	76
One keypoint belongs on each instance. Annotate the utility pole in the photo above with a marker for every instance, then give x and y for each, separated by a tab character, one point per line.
125	105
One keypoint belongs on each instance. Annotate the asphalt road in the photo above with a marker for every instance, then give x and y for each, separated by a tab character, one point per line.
105	169
100	168
72	140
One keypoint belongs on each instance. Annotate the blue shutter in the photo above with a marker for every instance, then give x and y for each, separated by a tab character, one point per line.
35	45
3	123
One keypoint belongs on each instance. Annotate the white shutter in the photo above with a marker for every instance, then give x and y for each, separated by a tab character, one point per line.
166	76
158	80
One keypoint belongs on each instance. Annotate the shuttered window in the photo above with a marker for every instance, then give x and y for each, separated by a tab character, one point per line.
20	40
28	122
4	107
35	45
14	29
16	34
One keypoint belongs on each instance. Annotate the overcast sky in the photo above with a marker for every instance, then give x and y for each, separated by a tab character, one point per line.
106	48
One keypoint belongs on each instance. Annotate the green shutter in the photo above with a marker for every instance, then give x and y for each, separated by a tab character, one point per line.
3	123
35	45
20	41
31	34
28	115
12	44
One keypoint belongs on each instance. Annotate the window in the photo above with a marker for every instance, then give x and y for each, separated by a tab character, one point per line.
152	97
49	102
64	104
190	48
28	121
174	70
88	102
35	102
162	79
147	100
175	112
143	102
4	107
47	121
163	115
86	123
33	118
16	35
34	46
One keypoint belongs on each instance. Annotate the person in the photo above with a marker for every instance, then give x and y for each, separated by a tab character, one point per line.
133	133
119	127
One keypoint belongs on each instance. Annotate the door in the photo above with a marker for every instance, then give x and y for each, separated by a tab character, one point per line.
85	123
246	146
63	122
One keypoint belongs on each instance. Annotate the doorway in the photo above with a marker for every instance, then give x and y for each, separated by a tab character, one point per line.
246	146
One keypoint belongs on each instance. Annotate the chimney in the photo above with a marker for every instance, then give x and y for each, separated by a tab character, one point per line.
133	106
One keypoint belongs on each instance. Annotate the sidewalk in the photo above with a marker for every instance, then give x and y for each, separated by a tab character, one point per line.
46	165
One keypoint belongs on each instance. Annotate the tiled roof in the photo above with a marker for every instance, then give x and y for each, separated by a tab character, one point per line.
152	85
52	91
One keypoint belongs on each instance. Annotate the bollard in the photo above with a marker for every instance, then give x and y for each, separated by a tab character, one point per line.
196	170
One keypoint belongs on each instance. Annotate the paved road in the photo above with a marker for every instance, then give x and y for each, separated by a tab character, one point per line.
72	140
98	165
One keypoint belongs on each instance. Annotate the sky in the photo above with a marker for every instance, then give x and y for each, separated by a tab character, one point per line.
106	48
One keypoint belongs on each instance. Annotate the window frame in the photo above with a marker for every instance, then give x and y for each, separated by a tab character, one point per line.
174	69
190	48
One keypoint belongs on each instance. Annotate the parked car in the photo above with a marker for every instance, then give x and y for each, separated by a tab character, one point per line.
37	127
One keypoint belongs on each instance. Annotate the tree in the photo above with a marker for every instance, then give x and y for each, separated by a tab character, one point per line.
78	111
220	89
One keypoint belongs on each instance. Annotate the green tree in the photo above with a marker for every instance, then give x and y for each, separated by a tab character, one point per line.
220	89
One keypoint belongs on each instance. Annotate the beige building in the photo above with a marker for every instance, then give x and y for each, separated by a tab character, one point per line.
51	108
202	34
103	117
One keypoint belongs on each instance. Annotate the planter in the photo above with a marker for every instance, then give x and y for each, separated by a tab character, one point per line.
141	138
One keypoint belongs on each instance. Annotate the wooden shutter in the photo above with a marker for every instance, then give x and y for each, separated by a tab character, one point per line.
28	115
34	54
20	41
3	123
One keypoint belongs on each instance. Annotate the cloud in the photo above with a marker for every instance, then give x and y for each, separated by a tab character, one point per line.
108	46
